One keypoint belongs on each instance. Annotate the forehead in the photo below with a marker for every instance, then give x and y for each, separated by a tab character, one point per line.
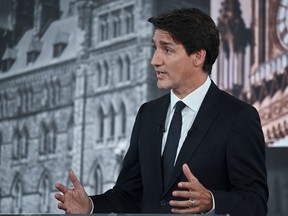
161	35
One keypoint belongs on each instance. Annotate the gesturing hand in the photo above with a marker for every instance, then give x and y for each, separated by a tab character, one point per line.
197	197
75	200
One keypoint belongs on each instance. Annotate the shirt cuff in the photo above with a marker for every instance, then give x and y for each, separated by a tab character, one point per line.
91	212
212	211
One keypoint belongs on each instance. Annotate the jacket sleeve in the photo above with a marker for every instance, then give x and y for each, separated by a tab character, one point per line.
126	195
245	155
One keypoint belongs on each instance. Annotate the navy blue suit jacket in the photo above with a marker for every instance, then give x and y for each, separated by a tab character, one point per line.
224	149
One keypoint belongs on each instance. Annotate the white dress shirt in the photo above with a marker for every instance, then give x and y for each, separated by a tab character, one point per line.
193	102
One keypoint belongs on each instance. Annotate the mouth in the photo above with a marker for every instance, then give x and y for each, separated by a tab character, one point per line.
160	73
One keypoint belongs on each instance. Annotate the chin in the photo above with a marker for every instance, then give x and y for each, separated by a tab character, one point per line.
162	85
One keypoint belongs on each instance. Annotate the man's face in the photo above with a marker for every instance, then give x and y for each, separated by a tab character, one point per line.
173	66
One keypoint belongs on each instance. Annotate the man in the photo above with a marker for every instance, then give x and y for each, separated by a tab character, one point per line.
218	160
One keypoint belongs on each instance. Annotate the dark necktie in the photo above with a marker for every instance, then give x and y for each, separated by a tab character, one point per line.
173	137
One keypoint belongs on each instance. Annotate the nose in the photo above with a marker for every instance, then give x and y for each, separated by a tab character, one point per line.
156	59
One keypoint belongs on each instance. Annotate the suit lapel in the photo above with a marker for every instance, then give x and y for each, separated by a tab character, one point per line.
203	120
159	118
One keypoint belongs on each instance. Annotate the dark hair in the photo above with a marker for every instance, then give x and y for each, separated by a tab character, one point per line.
194	29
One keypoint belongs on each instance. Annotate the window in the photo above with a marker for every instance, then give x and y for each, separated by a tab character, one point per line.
54	93
58	49
116	25
34	50
97	181
104	33
3	105
24	143
24	99
100	125
16	143
17	195
51	142
6	64
129	20
128	71
106	72
100	75
8	59
112	117
43	139
123	118
120	69
1	143
44	190
32	56
70	133
47	139
60	42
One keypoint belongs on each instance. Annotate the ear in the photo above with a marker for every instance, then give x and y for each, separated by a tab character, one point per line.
199	58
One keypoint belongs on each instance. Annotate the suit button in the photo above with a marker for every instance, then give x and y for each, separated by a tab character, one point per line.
163	203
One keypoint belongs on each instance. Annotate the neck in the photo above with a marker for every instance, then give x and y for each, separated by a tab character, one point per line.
194	84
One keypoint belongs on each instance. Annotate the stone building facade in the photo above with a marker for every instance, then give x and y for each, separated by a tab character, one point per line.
70	86
70	90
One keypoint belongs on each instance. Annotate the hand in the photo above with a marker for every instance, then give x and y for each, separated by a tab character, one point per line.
198	198
75	200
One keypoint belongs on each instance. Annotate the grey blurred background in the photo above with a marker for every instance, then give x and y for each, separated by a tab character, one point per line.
73	74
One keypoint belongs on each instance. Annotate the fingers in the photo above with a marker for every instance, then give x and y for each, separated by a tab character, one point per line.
195	197
185	194
61	206
182	204
187	172
74	180
61	188
60	197
184	207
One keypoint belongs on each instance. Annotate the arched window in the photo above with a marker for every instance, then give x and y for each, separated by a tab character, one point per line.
128	70
44	190
116	25
17	195
97	184
100	75
70	133
20	100
120	68
100	125
129	20
51	136
103	28
45	95
43	144
123	118
3	105
16	143
112	117
24	143
106	72
1	144
55	93
29	99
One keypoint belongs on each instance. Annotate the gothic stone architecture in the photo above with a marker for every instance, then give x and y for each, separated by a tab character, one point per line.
70	88
71	84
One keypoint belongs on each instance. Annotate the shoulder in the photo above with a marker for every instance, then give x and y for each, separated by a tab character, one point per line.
156	103
227	103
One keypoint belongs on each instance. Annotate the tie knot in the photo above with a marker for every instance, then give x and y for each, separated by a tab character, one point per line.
179	106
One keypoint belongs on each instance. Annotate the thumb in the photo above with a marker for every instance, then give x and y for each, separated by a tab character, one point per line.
74	180
187	172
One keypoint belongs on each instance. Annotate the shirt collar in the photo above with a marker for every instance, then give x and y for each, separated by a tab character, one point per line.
194	99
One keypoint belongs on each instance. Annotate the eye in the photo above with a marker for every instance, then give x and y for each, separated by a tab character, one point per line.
167	50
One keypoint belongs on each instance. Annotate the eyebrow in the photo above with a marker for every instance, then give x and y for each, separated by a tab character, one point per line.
163	43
